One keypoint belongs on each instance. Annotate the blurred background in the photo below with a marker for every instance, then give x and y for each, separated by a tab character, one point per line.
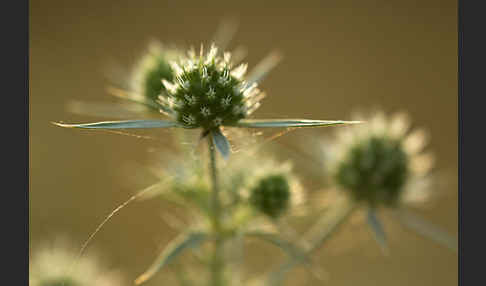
338	56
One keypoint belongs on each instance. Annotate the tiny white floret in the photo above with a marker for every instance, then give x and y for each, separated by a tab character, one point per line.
205	111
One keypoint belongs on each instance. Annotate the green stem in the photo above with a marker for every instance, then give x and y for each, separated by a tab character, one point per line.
217	258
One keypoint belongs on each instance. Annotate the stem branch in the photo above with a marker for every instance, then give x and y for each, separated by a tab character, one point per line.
316	237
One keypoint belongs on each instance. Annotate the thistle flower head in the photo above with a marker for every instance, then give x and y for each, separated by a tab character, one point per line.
207	91
271	195
378	162
150	69
269	186
50	266
204	91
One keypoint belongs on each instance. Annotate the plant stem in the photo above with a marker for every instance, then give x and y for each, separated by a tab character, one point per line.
328	225
317	236
217	258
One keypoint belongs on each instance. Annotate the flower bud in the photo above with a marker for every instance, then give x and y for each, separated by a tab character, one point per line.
380	162
271	195
151	69
375	170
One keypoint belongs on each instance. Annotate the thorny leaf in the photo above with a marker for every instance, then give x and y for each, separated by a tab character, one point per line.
173	250
426	229
378	231
296	123
122	124
221	143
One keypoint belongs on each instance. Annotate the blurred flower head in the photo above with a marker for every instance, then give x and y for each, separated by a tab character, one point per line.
380	162
153	67
50	265
271	195
269	186
266	185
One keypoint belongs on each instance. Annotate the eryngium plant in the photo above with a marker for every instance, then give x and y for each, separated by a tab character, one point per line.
385	165
140	87
210	92
378	165
247	207
207	93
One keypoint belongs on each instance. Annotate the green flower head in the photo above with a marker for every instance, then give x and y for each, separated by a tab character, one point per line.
380	163
151	69
271	195
270	187
200	91
384	164
208	92
375	170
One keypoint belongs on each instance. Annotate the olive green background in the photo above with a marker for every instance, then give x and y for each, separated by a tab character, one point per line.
339	56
